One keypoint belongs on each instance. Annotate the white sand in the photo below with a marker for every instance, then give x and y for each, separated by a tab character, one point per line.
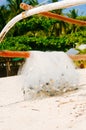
66	112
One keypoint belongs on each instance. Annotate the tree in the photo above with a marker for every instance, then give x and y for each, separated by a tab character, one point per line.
3	16
73	14
59	27
33	2
14	7
83	18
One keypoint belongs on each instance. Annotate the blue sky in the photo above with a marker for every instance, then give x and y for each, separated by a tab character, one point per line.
81	8
2	2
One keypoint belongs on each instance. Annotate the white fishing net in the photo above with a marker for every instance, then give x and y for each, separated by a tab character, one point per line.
48	73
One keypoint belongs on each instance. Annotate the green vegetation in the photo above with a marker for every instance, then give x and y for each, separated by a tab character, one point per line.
38	32
61	43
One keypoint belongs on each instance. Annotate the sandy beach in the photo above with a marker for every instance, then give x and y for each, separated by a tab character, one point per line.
65	112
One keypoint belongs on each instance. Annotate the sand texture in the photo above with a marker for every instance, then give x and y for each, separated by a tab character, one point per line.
64	112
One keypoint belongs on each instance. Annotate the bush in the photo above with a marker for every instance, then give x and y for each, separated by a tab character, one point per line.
25	43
